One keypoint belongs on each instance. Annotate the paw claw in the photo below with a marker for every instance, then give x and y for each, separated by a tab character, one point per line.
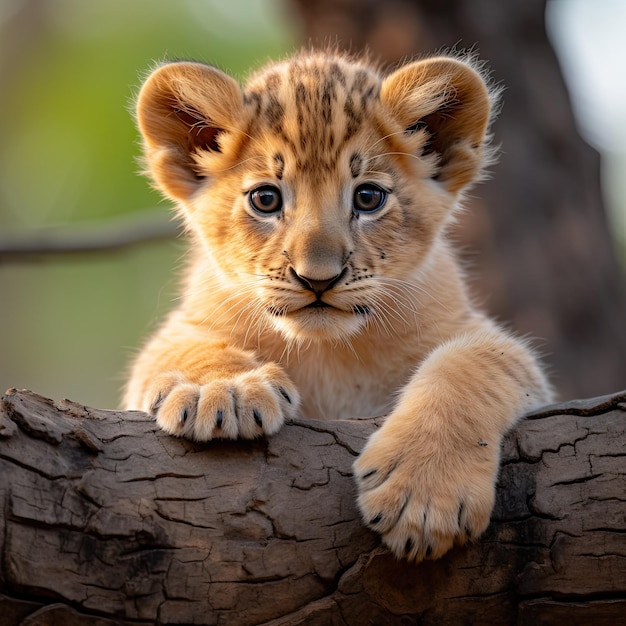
156	405
242	406
419	510
376	519
408	546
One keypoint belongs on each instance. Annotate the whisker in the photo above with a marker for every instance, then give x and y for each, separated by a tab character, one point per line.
398	132
408	154
374	172
416	287
252	158
386	312
233	300
227	127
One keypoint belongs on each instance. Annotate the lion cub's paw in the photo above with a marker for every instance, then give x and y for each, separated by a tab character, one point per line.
423	497
245	406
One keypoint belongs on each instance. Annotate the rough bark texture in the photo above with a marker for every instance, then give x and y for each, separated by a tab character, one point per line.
536	233
107	520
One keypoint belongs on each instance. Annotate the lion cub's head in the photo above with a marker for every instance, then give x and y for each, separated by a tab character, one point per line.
319	188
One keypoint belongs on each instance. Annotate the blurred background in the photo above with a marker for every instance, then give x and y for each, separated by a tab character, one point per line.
545	238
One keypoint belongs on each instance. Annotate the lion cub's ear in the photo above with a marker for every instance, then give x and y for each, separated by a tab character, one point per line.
182	110
448	99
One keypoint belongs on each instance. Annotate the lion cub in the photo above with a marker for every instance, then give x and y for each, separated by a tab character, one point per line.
317	198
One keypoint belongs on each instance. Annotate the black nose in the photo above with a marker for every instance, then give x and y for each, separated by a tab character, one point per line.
318	287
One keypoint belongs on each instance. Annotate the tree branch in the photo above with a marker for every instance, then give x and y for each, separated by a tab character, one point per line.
111	235
107	520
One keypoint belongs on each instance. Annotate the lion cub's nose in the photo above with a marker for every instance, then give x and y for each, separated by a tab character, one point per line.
317	286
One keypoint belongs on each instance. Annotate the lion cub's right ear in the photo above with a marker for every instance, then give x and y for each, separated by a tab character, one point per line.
183	109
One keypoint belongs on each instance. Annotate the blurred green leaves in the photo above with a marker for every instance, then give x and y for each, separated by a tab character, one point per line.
68	140
68	148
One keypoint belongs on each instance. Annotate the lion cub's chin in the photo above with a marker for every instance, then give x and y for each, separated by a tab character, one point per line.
319	324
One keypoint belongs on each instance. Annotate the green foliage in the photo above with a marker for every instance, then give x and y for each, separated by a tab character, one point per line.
69	143
68	153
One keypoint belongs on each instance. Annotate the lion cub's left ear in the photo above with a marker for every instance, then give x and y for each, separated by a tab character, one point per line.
449	99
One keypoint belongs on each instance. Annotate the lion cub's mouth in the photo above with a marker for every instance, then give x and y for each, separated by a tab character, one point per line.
318	304
359	309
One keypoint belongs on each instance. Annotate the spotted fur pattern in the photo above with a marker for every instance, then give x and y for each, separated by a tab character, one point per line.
322	283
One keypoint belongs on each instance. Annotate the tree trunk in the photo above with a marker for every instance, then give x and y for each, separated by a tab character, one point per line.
108	520
535	234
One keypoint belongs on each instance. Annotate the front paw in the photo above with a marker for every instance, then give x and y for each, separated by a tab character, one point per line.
245	406
424	492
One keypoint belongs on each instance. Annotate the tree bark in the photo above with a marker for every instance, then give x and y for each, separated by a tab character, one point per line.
535	235
107	520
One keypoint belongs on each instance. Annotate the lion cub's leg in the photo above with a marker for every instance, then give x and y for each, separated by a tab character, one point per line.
427	478
201	388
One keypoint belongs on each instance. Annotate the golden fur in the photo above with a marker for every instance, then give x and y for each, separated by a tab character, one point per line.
322	283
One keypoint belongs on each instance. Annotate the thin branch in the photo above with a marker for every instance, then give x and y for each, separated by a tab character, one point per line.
111	235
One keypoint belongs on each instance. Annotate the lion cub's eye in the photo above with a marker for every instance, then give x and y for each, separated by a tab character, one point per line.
369	198
266	200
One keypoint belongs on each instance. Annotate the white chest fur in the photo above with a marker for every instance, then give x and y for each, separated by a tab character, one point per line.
336	383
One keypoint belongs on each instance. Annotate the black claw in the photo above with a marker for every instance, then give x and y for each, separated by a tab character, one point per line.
257	417
460	515
429	551
184	415
156	405
370	473
219	418
408	546
376	519
284	394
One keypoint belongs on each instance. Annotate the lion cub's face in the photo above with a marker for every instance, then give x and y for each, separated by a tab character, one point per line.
319	188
